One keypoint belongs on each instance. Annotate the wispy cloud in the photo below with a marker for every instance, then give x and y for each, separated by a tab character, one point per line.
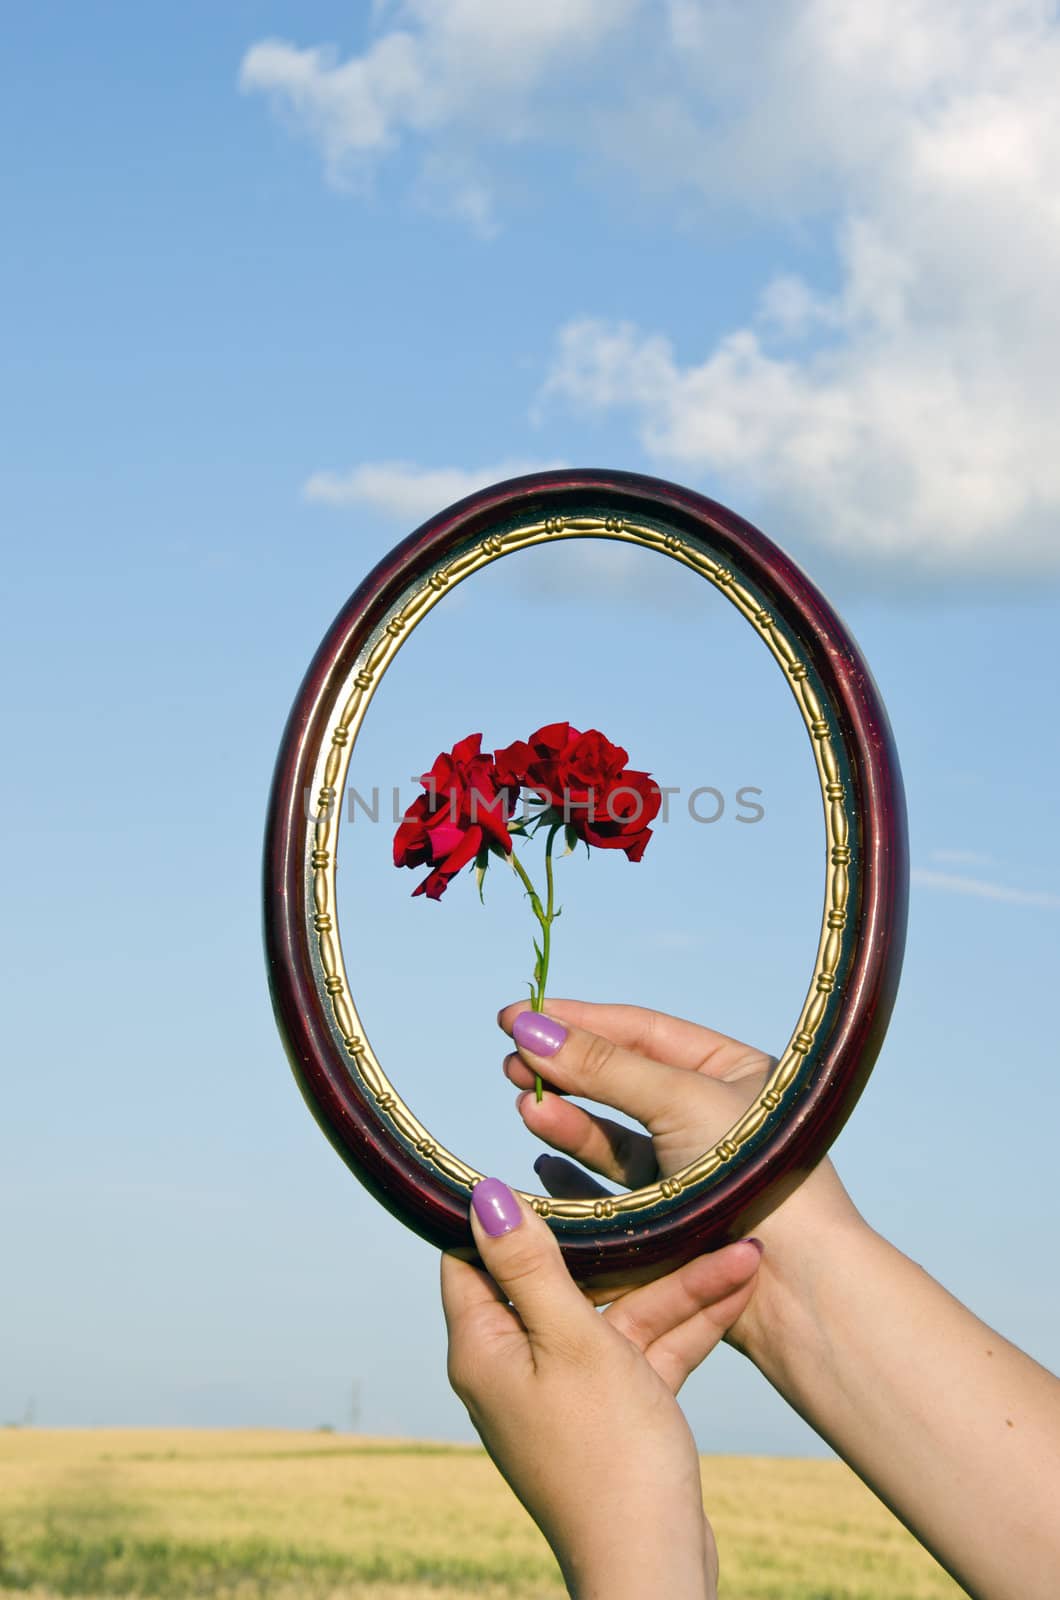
905	413
570	570
904	416
963	858
402	490
982	889
453	72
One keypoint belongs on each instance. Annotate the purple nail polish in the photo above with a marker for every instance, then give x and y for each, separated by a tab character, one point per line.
759	1246
495	1207
542	1036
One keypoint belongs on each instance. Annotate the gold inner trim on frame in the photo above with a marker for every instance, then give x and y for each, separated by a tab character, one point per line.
330	779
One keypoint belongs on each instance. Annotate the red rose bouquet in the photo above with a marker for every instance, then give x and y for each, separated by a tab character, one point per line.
468	813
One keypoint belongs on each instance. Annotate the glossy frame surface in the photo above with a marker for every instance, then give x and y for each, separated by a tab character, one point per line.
838	1036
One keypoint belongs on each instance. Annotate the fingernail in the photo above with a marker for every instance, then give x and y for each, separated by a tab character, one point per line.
759	1246
495	1207
541	1035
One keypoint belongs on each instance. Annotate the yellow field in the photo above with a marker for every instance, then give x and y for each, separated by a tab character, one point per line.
179	1513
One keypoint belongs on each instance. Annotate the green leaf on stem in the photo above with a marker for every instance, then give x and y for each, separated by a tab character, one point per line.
571	837
482	861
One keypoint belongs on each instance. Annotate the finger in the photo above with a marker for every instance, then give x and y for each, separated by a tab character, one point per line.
522	1256
466	1288
588	1064
482	1328
516	1071
648	1314
654	1034
564	1181
621	1154
681	1351
470	1297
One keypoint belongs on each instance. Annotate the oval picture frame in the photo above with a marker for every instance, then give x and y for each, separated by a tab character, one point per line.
837	1036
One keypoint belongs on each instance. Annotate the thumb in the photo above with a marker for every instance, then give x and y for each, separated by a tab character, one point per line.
659	1096
521	1255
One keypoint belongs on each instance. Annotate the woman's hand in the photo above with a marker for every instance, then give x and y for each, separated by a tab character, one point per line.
956	1429
576	1407
687	1085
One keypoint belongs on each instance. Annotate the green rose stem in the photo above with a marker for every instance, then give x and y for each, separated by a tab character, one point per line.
546	916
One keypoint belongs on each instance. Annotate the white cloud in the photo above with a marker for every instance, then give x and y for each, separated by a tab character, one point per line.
981	889
351	108
452	185
455	69
909	415
605	568
410	493
963	858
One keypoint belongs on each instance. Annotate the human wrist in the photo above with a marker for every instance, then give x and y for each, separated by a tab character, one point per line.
814	1234
642	1544
685	1571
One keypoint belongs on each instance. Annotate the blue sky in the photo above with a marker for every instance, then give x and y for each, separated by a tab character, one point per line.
267	307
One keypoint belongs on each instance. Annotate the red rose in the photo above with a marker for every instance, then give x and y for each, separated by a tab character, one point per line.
464	809
511	765
585	777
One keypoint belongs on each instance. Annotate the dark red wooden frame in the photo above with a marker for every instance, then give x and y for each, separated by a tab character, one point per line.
410	1188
